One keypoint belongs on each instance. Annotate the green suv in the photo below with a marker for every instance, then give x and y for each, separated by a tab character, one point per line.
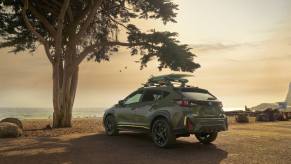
168	111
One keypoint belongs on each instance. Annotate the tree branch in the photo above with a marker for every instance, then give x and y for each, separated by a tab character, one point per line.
85	52
125	44
62	14
89	19
33	30
60	26
118	23
43	20
57	3
49	7
82	16
94	48
76	21
70	14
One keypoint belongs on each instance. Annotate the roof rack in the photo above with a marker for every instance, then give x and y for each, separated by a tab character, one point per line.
168	80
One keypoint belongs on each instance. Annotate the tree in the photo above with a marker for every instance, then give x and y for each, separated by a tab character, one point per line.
73	30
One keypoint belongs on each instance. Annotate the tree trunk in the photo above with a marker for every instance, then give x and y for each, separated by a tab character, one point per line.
65	80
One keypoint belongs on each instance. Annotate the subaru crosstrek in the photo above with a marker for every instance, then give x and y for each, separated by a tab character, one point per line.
167	112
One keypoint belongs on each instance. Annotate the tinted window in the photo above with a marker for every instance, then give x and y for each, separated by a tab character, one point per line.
198	96
153	95
133	98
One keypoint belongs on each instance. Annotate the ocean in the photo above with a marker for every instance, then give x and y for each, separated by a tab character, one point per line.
45	113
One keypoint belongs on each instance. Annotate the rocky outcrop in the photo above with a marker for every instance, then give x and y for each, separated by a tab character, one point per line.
8	129
13	120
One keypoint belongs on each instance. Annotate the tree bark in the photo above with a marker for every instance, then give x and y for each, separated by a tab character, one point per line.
65	80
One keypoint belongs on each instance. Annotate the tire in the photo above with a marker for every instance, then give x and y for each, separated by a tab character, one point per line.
110	126
162	133
206	138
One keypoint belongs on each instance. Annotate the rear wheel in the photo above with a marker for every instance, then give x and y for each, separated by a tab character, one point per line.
206	138
162	133
110	126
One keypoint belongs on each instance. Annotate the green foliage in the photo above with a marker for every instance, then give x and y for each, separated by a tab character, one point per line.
13	32
111	17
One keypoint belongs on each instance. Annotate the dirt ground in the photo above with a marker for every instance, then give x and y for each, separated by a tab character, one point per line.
243	143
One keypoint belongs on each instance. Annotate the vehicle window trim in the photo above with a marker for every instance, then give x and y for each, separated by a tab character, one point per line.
145	90
181	93
133	93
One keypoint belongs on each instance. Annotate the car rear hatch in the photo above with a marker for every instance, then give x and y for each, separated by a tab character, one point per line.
200	102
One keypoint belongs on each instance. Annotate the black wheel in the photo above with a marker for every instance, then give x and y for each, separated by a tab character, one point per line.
206	138
110	126
162	133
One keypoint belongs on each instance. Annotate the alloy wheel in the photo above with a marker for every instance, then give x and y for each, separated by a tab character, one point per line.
160	133
109	125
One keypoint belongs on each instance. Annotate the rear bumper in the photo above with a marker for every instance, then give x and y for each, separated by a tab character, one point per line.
197	125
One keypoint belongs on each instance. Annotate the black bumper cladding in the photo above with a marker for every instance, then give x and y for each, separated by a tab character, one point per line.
198	125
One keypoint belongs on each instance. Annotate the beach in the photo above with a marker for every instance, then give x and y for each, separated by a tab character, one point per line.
86	142
37	127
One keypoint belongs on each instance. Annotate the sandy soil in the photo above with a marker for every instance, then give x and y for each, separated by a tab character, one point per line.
38	128
87	143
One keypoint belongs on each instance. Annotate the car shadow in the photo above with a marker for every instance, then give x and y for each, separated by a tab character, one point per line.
100	148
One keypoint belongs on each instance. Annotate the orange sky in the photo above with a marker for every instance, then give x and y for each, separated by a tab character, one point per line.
243	47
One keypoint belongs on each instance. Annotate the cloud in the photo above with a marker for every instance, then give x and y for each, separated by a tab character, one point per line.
279	57
217	46
262	58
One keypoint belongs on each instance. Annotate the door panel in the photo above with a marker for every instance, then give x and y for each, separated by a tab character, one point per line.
144	109
126	113
141	113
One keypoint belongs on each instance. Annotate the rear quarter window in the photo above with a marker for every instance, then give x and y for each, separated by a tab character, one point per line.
154	95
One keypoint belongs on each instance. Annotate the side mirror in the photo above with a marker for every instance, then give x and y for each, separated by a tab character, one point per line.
121	102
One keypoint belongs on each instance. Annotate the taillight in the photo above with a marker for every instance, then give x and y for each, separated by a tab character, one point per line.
183	103
189	125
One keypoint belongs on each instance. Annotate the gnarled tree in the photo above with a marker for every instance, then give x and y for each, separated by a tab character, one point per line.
73	30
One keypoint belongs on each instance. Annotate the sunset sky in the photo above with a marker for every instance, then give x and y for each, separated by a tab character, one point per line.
243	46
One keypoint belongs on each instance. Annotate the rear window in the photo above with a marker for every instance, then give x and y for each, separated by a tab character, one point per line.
198	95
